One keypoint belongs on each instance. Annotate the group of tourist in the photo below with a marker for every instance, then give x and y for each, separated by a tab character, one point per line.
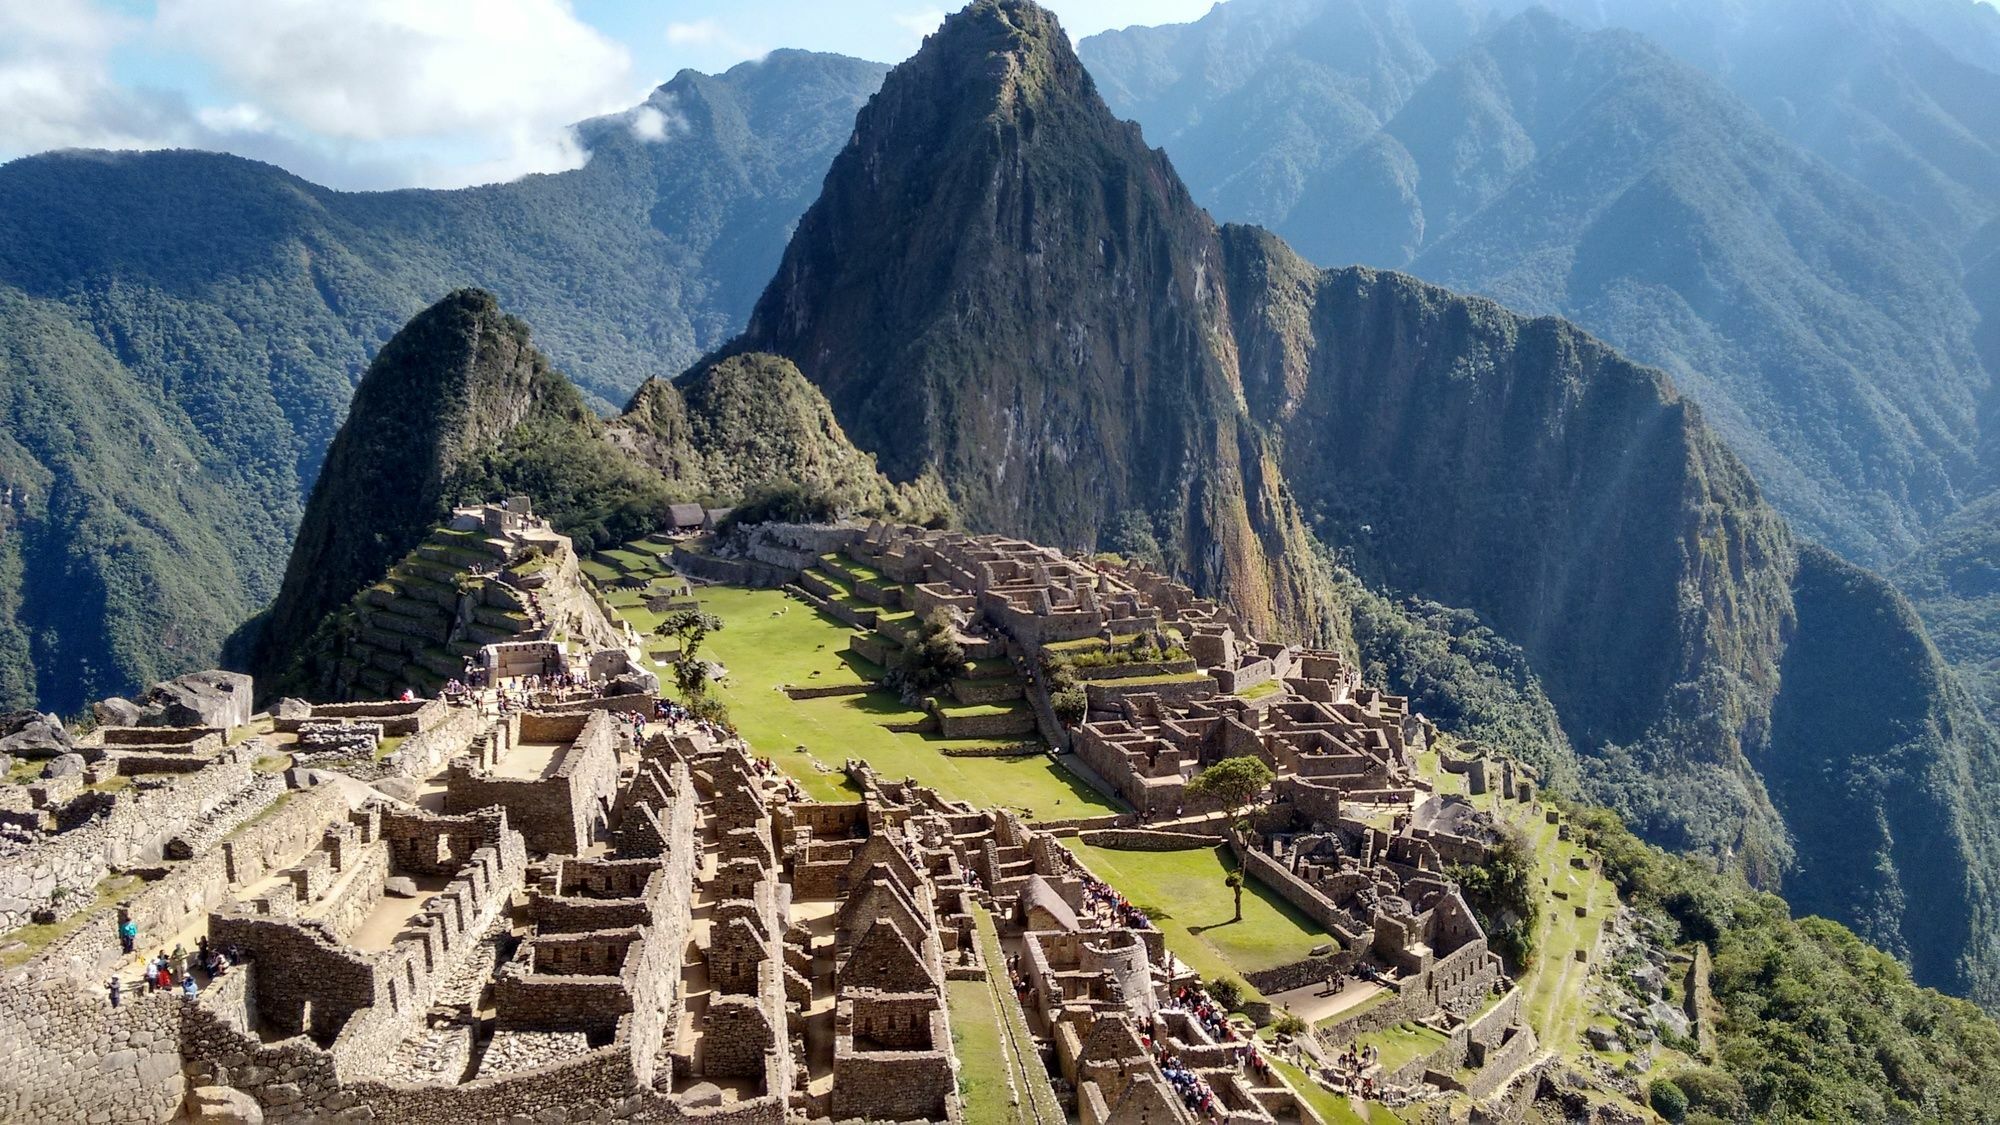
166	971
1194	1090
1108	908
1350	1066
1213	1018
673	714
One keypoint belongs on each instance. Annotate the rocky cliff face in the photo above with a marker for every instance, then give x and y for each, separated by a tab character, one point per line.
1002	285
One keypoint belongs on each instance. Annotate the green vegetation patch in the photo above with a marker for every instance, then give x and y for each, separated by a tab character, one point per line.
1403	1044
770	640
1184	894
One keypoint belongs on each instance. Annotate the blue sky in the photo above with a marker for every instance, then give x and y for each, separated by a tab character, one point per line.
399	93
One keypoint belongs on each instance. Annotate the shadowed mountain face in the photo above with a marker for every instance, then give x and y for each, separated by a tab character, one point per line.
230	309
1002	285
1594	175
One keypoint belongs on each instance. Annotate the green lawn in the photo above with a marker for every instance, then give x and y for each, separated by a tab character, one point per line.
769	640
975	1035
1185	894
1268	687
1150	681
1402	1044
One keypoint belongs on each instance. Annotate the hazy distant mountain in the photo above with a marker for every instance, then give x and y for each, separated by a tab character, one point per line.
230	308
1594	176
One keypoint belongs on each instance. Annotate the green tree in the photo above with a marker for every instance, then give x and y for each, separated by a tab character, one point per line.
1070	704
1226	991
691	627
1667	1099
936	658
1505	896
1231	782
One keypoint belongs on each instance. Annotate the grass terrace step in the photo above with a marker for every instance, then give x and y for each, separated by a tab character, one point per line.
497	618
443	573
412	607
488	635
986	691
989	668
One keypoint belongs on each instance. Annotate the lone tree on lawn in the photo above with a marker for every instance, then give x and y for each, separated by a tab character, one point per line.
1234	882
1233	782
690	627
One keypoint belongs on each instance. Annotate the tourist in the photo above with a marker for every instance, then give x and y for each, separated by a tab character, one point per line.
128	935
117	988
188	987
163	978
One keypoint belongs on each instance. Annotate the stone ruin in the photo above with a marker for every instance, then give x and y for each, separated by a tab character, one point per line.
542	917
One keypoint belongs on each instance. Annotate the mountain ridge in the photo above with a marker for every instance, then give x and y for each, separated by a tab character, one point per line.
1071	286
237	306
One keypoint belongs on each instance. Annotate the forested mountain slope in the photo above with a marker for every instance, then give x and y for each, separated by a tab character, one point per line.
234	307
1077	341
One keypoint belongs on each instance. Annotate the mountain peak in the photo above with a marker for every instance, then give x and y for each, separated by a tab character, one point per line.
1013	52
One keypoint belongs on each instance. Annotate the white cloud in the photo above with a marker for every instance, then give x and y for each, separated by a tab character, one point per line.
657	120
917	25
921	23
509	74
56	89
695	33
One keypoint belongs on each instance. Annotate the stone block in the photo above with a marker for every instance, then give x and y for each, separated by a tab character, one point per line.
221	1105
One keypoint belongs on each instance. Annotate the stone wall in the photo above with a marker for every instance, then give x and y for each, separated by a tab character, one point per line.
733	572
894	1086
1148	840
65	1057
1107	696
563	811
641	703
1293	889
424	753
1298	974
396	717
1007	724
141	822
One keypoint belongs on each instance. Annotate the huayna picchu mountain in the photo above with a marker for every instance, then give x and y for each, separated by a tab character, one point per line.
458	402
461	407
1003	286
